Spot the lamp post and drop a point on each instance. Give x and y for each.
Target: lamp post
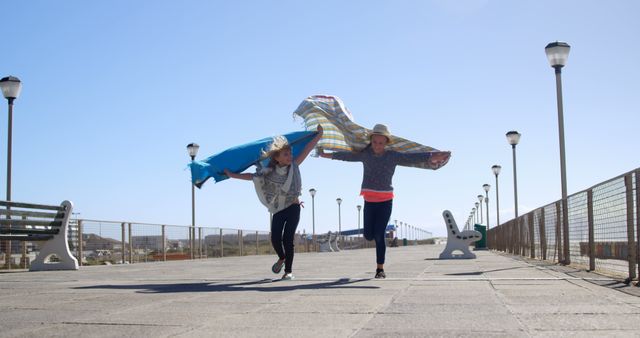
(192, 148)
(557, 54)
(496, 171)
(514, 137)
(339, 200)
(11, 87)
(486, 188)
(480, 198)
(477, 204)
(395, 224)
(312, 192)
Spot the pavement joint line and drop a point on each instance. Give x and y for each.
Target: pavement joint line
(118, 324)
(347, 279)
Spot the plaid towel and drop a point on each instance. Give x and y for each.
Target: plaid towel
(342, 134)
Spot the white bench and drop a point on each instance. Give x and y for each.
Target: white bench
(333, 239)
(325, 242)
(458, 240)
(36, 222)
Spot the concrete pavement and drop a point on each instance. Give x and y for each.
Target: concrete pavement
(333, 295)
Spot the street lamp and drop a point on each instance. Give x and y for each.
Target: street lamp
(11, 87)
(475, 213)
(557, 53)
(486, 188)
(312, 191)
(496, 171)
(514, 137)
(339, 200)
(480, 198)
(192, 148)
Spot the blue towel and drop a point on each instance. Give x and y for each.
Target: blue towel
(239, 158)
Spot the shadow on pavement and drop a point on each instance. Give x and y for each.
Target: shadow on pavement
(264, 285)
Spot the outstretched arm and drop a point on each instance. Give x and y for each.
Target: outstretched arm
(307, 149)
(432, 157)
(349, 156)
(246, 177)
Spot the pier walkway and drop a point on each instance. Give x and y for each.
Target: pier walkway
(333, 295)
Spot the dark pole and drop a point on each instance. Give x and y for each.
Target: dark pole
(9, 137)
(515, 180)
(193, 213)
(563, 167)
(497, 203)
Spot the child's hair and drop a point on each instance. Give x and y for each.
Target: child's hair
(279, 144)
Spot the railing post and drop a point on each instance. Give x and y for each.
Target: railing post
(200, 242)
(221, 244)
(80, 244)
(130, 246)
(631, 236)
(638, 222)
(518, 242)
(257, 242)
(122, 243)
(592, 243)
(240, 241)
(23, 248)
(532, 235)
(543, 236)
(519, 229)
(558, 233)
(524, 236)
(164, 244)
(270, 246)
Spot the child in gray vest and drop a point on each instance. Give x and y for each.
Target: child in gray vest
(278, 186)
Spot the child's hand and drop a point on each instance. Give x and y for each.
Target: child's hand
(439, 157)
(227, 172)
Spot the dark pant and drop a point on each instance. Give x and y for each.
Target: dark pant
(376, 217)
(283, 230)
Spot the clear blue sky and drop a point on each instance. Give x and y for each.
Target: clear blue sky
(113, 91)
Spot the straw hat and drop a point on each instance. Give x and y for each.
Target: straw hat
(381, 129)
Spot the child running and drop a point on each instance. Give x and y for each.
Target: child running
(278, 187)
(379, 166)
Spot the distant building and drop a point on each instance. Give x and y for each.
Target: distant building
(93, 242)
(148, 242)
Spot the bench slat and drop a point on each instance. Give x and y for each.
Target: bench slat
(26, 237)
(13, 212)
(29, 231)
(30, 205)
(23, 222)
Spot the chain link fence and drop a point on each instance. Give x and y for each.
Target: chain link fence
(601, 234)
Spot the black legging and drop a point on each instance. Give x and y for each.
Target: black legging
(376, 217)
(283, 230)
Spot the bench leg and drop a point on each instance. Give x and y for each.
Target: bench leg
(447, 253)
(58, 246)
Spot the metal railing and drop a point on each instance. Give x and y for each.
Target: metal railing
(603, 231)
(99, 242)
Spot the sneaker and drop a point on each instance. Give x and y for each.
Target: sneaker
(380, 274)
(277, 266)
(288, 276)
